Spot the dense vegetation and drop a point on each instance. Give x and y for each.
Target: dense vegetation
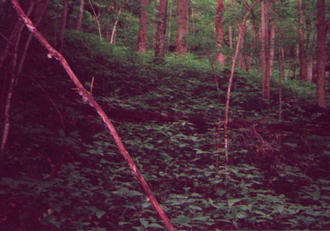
(62, 170)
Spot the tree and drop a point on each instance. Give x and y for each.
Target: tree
(321, 53)
(183, 26)
(302, 56)
(63, 23)
(154, 25)
(12, 49)
(39, 12)
(80, 14)
(265, 49)
(142, 41)
(169, 25)
(272, 31)
(115, 24)
(241, 31)
(220, 57)
(230, 29)
(161, 29)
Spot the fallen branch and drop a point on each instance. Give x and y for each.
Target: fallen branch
(87, 97)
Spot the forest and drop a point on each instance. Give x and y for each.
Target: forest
(164, 115)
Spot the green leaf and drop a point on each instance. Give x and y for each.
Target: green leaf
(99, 213)
(231, 202)
(144, 222)
(182, 220)
(202, 218)
(155, 225)
(195, 207)
(217, 206)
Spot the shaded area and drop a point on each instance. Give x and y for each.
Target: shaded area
(57, 177)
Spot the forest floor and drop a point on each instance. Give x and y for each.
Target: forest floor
(62, 170)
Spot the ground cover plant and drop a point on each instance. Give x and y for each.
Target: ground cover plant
(63, 172)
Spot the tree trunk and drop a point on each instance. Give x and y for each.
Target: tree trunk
(12, 48)
(154, 25)
(265, 50)
(192, 21)
(97, 19)
(296, 64)
(142, 41)
(39, 13)
(14, 35)
(241, 31)
(80, 15)
(114, 28)
(89, 98)
(183, 26)
(256, 37)
(271, 48)
(241, 57)
(169, 30)
(282, 56)
(220, 57)
(13, 78)
(64, 22)
(309, 68)
(321, 54)
(302, 57)
(230, 30)
(161, 29)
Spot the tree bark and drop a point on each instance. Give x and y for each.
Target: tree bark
(183, 26)
(241, 31)
(154, 25)
(302, 57)
(321, 54)
(80, 15)
(41, 9)
(296, 63)
(114, 28)
(6, 126)
(12, 47)
(142, 40)
(161, 29)
(169, 25)
(220, 57)
(63, 23)
(272, 33)
(280, 77)
(230, 30)
(241, 57)
(89, 98)
(265, 50)
(282, 56)
(256, 39)
(97, 19)
(309, 67)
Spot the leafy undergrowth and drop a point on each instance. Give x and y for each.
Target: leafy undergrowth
(62, 170)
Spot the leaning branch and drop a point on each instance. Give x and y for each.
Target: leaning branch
(87, 97)
(242, 29)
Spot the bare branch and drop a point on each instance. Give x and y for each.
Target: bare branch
(242, 29)
(87, 97)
